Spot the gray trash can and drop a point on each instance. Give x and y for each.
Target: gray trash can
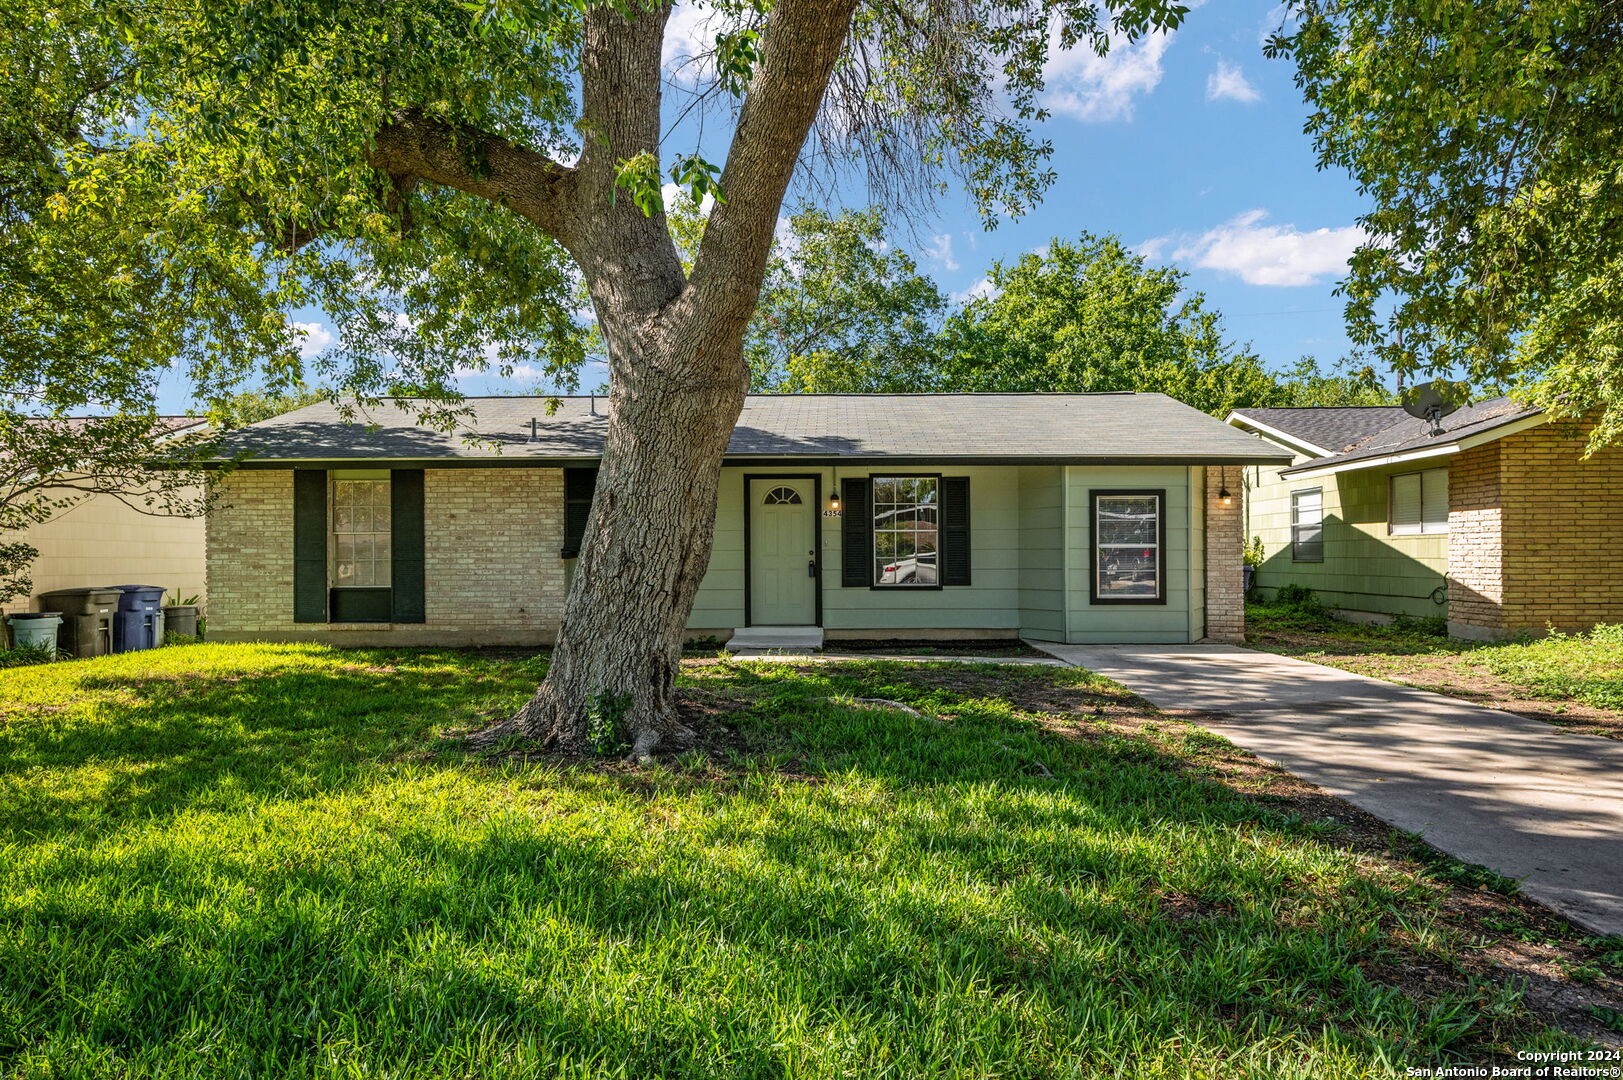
(180, 619)
(34, 630)
(87, 618)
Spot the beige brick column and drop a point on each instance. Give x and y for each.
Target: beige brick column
(1225, 546)
(1476, 581)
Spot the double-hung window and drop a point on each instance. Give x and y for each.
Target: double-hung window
(1307, 525)
(361, 532)
(1129, 547)
(1418, 503)
(906, 523)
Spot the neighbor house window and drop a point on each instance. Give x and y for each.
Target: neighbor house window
(361, 532)
(1307, 525)
(1418, 503)
(906, 519)
(1128, 547)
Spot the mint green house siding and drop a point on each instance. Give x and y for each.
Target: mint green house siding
(1365, 568)
(1031, 559)
(1041, 579)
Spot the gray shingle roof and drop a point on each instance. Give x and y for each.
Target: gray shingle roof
(1332, 428)
(944, 427)
(1410, 433)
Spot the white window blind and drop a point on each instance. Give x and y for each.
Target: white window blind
(1419, 503)
(1307, 525)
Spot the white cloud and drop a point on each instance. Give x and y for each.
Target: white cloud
(981, 288)
(1264, 254)
(939, 250)
(1152, 248)
(312, 338)
(1085, 86)
(1229, 83)
(689, 35)
(1281, 19)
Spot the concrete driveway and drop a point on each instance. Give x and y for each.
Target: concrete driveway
(1516, 795)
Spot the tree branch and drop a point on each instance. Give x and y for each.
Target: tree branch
(414, 147)
(802, 42)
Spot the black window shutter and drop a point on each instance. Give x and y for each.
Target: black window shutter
(407, 604)
(955, 530)
(309, 545)
(856, 535)
(579, 484)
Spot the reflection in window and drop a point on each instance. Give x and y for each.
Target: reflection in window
(1127, 547)
(360, 533)
(782, 496)
(905, 516)
(1307, 525)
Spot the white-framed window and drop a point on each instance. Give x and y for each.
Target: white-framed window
(1128, 543)
(1417, 503)
(1307, 525)
(361, 530)
(906, 521)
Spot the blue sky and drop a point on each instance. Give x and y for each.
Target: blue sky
(1189, 146)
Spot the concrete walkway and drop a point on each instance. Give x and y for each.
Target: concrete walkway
(1524, 798)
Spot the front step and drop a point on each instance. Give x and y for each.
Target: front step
(758, 639)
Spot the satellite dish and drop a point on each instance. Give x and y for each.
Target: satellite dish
(1429, 401)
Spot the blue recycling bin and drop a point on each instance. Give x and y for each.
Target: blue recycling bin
(138, 622)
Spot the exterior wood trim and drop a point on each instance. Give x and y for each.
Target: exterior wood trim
(1160, 600)
(817, 538)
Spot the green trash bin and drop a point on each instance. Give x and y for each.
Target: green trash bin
(35, 629)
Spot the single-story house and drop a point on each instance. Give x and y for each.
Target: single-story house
(101, 539)
(1065, 517)
(1494, 519)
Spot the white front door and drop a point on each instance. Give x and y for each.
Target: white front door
(782, 552)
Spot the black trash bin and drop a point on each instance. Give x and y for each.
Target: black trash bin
(87, 618)
(138, 623)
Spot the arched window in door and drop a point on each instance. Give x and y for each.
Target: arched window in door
(782, 496)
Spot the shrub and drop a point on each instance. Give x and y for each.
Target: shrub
(1299, 597)
(1420, 625)
(23, 655)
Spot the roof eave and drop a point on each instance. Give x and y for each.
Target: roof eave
(1312, 470)
(1239, 419)
(757, 460)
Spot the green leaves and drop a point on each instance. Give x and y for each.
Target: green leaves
(1485, 134)
(698, 177)
(1087, 316)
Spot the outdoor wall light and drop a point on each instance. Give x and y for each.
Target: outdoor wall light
(1228, 499)
(833, 502)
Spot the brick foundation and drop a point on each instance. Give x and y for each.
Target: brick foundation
(492, 571)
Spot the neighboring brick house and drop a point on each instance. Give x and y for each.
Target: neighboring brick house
(1498, 522)
(1064, 517)
(104, 540)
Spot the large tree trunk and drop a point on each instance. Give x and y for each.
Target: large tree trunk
(675, 351)
(611, 686)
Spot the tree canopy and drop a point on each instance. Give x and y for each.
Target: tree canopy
(1089, 315)
(1486, 134)
(843, 310)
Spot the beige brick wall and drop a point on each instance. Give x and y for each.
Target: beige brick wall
(103, 541)
(1563, 523)
(1535, 535)
(1225, 544)
(1476, 588)
(492, 574)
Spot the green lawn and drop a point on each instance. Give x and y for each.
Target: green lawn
(1575, 680)
(267, 861)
